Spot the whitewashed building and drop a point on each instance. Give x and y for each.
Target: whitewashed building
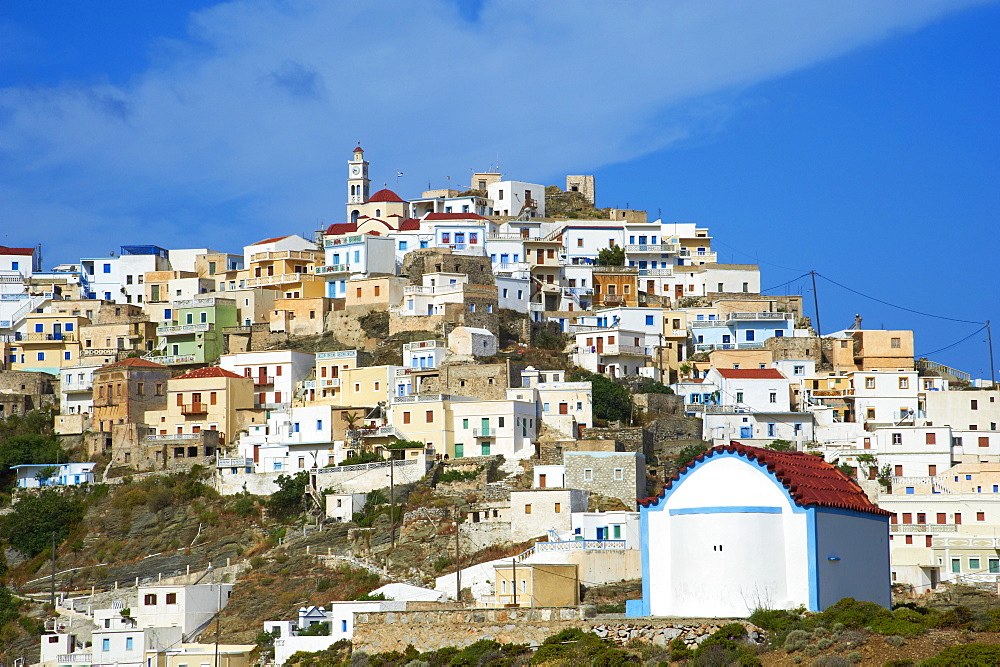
(764, 529)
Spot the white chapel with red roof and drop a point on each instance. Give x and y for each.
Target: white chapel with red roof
(743, 527)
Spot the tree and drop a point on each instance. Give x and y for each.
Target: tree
(651, 386)
(688, 454)
(30, 448)
(287, 500)
(613, 256)
(781, 446)
(611, 401)
(29, 527)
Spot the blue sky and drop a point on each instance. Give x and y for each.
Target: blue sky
(855, 139)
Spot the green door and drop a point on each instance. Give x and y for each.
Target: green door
(486, 449)
(459, 450)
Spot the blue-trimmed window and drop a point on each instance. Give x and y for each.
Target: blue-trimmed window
(39, 328)
(41, 356)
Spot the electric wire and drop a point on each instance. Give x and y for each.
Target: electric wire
(893, 305)
(948, 347)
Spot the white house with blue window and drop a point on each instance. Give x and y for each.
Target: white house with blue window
(36, 475)
(738, 331)
(742, 527)
(350, 256)
(753, 405)
(424, 354)
(120, 279)
(293, 439)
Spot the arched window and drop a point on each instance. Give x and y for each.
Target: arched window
(378, 213)
(354, 216)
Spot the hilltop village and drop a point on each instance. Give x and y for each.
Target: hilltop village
(497, 413)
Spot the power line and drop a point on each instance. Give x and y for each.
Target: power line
(768, 289)
(909, 310)
(948, 347)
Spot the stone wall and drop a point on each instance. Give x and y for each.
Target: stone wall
(377, 632)
(476, 536)
(345, 479)
(602, 480)
(488, 382)
(631, 439)
(801, 348)
(660, 405)
(435, 260)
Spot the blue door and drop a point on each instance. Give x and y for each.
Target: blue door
(746, 432)
(602, 533)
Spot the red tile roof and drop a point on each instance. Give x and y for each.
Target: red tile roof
(454, 216)
(359, 150)
(341, 228)
(811, 481)
(132, 362)
(4, 250)
(276, 238)
(386, 195)
(208, 372)
(751, 373)
(411, 223)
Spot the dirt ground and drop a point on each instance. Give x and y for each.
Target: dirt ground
(877, 652)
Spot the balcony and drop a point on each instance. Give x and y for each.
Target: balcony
(923, 528)
(246, 328)
(382, 432)
(262, 380)
(283, 279)
(327, 383)
(75, 659)
(662, 272)
(332, 268)
(484, 432)
(704, 255)
(71, 386)
(699, 324)
(233, 462)
(309, 384)
(176, 359)
(308, 255)
(354, 238)
(578, 291)
(508, 237)
(536, 307)
(179, 329)
(45, 337)
(616, 269)
(194, 409)
(422, 344)
(652, 247)
(626, 350)
(510, 267)
(336, 354)
(821, 393)
(760, 316)
(613, 299)
(708, 347)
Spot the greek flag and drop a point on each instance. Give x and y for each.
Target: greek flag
(399, 174)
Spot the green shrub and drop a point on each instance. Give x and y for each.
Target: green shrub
(728, 644)
(796, 640)
(458, 475)
(854, 657)
(960, 618)
(679, 650)
(323, 584)
(830, 661)
(778, 623)
(966, 654)
(852, 613)
(257, 562)
(893, 626)
(895, 640)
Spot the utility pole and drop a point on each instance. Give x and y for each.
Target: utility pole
(392, 501)
(52, 581)
(816, 304)
(218, 616)
(513, 563)
(993, 371)
(458, 564)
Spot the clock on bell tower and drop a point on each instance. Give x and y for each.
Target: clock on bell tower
(358, 185)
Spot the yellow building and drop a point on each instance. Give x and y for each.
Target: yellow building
(50, 342)
(616, 286)
(229, 655)
(205, 399)
(873, 350)
(288, 271)
(324, 388)
(537, 585)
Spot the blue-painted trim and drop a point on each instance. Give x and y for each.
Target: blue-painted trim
(812, 559)
(854, 514)
(658, 504)
(644, 542)
(727, 509)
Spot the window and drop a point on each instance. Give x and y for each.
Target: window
(994, 564)
(897, 438)
(907, 518)
(930, 438)
(772, 430)
(798, 370)
(898, 471)
(429, 417)
(106, 644)
(527, 509)
(984, 441)
(588, 474)
(619, 474)
(958, 518)
(980, 516)
(773, 397)
(894, 343)
(649, 320)
(974, 563)
(942, 518)
(921, 518)
(956, 564)
(107, 268)
(558, 508)
(869, 383)
(149, 599)
(128, 643)
(739, 397)
(41, 356)
(406, 417)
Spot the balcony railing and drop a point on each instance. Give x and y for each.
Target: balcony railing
(663, 272)
(194, 409)
(705, 255)
(328, 382)
(536, 307)
(176, 359)
(262, 380)
(44, 337)
(613, 299)
(161, 437)
(509, 267)
(923, 528)
(507, 236)
(74, 658)
(233, 462)
(484, 432)
(422, 344)
(708, 347)
(77, 385)
(760, 316)
(354, 238)
(283, 279)
(615, 269)
(700, 324)
(420, 398)
(175, 329)
(308, 255)
(336, 354)
(652, 247)
(332, 268)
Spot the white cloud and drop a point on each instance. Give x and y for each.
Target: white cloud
(246, 125)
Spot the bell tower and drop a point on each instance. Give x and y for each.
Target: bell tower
(358, 185)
